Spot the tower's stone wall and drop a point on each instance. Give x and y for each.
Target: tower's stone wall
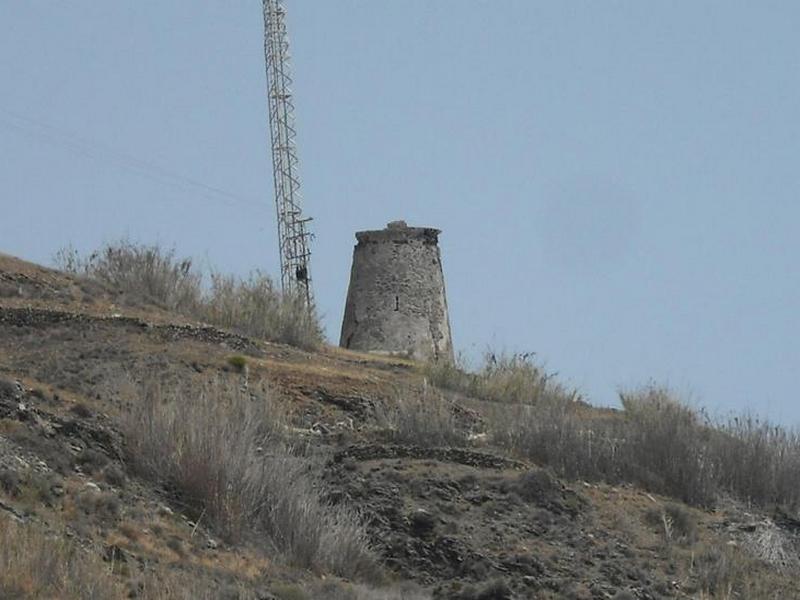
(396, 301)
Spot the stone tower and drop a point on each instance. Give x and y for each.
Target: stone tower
(396, 302)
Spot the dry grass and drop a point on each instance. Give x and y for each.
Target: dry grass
(36, 565)
(421, 418)
(501, 377)
(163, 584)
(727, 572)
(251, 306)
(560, 435)
(222, 451)
(347, 591)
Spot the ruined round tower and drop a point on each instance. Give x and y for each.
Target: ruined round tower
(396, 302)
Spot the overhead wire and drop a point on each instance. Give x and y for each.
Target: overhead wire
(101, 152)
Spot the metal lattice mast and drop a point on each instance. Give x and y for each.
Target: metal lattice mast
(293, 234)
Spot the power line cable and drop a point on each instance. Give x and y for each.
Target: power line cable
(55, 136)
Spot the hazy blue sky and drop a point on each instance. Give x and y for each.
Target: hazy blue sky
(617, 181)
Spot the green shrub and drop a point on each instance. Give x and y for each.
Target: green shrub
(238, 362)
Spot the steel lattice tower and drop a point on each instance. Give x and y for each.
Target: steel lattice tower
(293, 234)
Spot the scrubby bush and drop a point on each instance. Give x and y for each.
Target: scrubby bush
(222, 451)
(251, 306)
(105, 506)
(656, 441)
(9, 481)
(674, 521)
(238, 362)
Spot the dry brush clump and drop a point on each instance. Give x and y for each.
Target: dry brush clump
(223, 452)
(251, 306)
(697, 458)
(675, 522)
(148, 271)
(422, 418)
(501, 377)
(665, 447)
(759, 461)
(254, 307)
(559, 434)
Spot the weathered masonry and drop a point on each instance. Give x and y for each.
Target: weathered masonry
(396, 301)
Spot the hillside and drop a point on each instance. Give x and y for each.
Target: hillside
(447, 511)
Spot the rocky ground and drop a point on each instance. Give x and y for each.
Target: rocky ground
(464, 523)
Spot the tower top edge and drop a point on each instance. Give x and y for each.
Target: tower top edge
(399, 231)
